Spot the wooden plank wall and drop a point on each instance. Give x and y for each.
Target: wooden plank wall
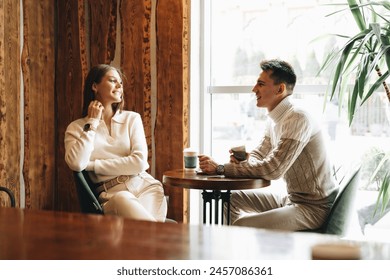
(38, 57)
(61, 40)
(102, 31)
(171, 132)
(71, 69)
(9, 98)
(135, 22)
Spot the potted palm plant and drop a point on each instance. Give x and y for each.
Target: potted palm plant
(365, 60)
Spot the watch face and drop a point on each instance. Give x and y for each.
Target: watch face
(220, 169)
(87, 127)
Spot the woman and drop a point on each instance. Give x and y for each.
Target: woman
(110, 144)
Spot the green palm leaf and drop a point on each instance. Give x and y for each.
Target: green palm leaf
(361, 59)
(377, 57)
(375, 86)
(352, 103)
(357, 14)
(362, 77)
(384, 194)
(385, 39)
(344, 57)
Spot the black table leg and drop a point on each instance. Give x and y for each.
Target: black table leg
(206, 199)
(226, 199)
(216, 195)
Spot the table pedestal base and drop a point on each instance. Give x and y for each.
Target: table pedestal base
(217, 196)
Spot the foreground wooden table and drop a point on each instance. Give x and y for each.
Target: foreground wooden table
(214, 187)
(47, 235)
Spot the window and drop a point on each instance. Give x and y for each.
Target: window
(236, 35)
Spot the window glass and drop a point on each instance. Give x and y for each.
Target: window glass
(245, 32)
(241, 34)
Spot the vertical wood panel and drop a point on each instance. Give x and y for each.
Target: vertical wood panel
(186, 93)
(39, 122)
(135, 17)
(172, 96)
(10, 98)
(53, 82)
(71, 69)
(103, 16)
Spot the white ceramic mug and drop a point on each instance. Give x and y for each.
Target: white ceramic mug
(190, 158)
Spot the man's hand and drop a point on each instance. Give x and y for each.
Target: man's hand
(233, 159)
(207, 164)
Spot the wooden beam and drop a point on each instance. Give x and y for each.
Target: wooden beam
(10, 134)
(135, 18)
(38, 64)
(171, 130)
(102, 28)
(71, 70)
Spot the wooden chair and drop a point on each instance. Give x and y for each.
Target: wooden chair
(10, 195)
(87, 198)
(339, 217)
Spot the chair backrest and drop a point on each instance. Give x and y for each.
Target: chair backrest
(340, 215)
(87, 199)
(10, 195)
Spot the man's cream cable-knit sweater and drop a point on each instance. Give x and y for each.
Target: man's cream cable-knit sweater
(293, 148)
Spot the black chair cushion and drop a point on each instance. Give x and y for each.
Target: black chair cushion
(87, 199)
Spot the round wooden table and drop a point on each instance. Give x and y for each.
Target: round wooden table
(214, 187)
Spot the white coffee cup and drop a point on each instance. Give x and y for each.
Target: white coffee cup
(190, 156)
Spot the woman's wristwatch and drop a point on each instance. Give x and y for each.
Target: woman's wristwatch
(88, 127)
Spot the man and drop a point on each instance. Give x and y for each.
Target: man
(292, 148)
